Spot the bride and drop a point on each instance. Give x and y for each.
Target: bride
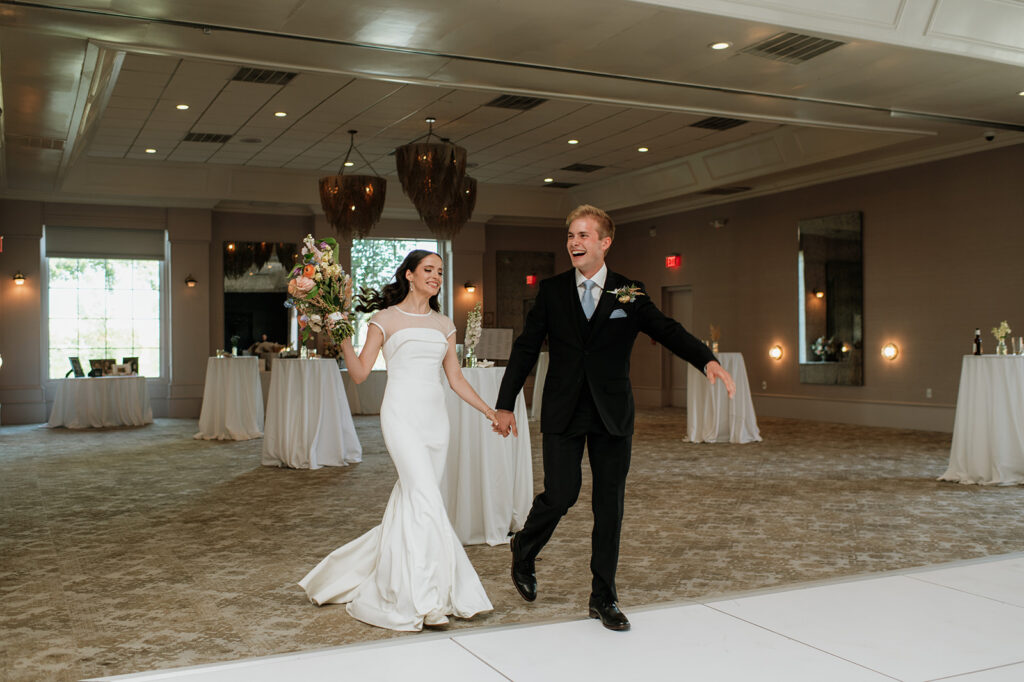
(411, 570)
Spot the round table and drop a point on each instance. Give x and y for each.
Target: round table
(232, 400)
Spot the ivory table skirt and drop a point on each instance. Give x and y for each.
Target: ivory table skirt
(711, 417)
(308, 424)
(232, 400)
(988, 430)
(487, 484)
(97, 402)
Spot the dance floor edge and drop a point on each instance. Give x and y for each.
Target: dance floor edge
(954, 621)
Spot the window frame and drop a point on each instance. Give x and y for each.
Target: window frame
(44, 308)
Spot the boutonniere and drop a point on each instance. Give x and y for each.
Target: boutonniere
(627, 294)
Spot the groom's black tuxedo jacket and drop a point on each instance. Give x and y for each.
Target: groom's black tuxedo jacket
(594, 351)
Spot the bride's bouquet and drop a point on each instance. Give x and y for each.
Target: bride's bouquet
(321, 292)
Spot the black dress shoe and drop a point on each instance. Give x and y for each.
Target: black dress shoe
(523, 575)
(609, 613)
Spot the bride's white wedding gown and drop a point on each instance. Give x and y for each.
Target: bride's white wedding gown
(410, 570)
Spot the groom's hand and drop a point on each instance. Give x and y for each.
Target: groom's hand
(716, 371)
(506, 423)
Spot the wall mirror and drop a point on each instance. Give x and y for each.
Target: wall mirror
(831, 300)
(255, 289)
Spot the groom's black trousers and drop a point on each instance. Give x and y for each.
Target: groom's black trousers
(609, 464)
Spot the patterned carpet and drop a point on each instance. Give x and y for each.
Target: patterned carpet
(134, 549)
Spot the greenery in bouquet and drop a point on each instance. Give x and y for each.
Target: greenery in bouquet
(473, 327)
(321, 292)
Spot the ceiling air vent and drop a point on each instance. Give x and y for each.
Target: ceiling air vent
(37, 142)
(563, 185)
(718, 123)
(792, 48)
(265, 76)
(515, 102)
(213, 138)
(583, 167)
(725, 191)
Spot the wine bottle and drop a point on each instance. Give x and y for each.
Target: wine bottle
(977, 341)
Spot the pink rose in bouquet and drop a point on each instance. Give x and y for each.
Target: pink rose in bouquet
(300, 286)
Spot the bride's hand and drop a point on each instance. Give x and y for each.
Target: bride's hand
(492, 417)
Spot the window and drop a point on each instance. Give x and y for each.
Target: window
(104, 308)
(374, 262)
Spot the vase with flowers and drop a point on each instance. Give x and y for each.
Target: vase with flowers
(1001, 332)
(473, 324)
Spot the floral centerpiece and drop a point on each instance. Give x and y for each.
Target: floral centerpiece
(1001, 332)
(826, 349)
(321, 292)
(472, 333)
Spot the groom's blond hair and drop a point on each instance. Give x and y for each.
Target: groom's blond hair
(605, 225)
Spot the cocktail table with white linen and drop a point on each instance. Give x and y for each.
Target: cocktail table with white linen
(98, 402)
(232, 400)
(487, 483)
(711, 417)
(988, 429)
(309, 424)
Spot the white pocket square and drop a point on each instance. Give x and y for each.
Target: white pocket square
(617, 313)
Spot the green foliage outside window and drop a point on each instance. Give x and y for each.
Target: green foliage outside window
(374, 262)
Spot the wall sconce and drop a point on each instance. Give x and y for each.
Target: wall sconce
(531, 280)
(190, 282)
(890, 351)
(673, 260)
(19, 278)
(231, 246)
(775, 352)
(818, 293)
(470, 287)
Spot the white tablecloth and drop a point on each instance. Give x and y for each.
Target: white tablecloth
(96, 402)
(488, 480)
(308, 423)
(365, 398)
(988, 430)
(710, 416)
(232, 400)
(538, 384)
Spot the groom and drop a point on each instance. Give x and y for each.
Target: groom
(590, 317)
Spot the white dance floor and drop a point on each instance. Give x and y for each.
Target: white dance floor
(962, 622)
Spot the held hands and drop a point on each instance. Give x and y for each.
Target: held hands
(714, 371)
(504, 423)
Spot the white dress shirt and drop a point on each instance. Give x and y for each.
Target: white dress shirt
(598, 279)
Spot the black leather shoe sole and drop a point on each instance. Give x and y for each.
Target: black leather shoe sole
(617, 626)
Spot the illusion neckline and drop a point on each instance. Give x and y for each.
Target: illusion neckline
(413, 314)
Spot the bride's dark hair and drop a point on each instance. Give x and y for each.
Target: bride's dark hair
(395, 292)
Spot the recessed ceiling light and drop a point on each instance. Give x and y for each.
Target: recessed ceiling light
(280, 114)
(150, 150)
(574, 141)
(720, 45)
(181, 107)
(549, 179)
(349, 164)
(642, 149)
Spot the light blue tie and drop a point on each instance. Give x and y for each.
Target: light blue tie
(588, 297)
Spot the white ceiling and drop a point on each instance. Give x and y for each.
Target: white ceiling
(88, 87)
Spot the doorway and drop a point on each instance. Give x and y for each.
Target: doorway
(677, 303)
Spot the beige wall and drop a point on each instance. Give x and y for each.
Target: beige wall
(943, 246)
(195, 317)
(943, 243)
